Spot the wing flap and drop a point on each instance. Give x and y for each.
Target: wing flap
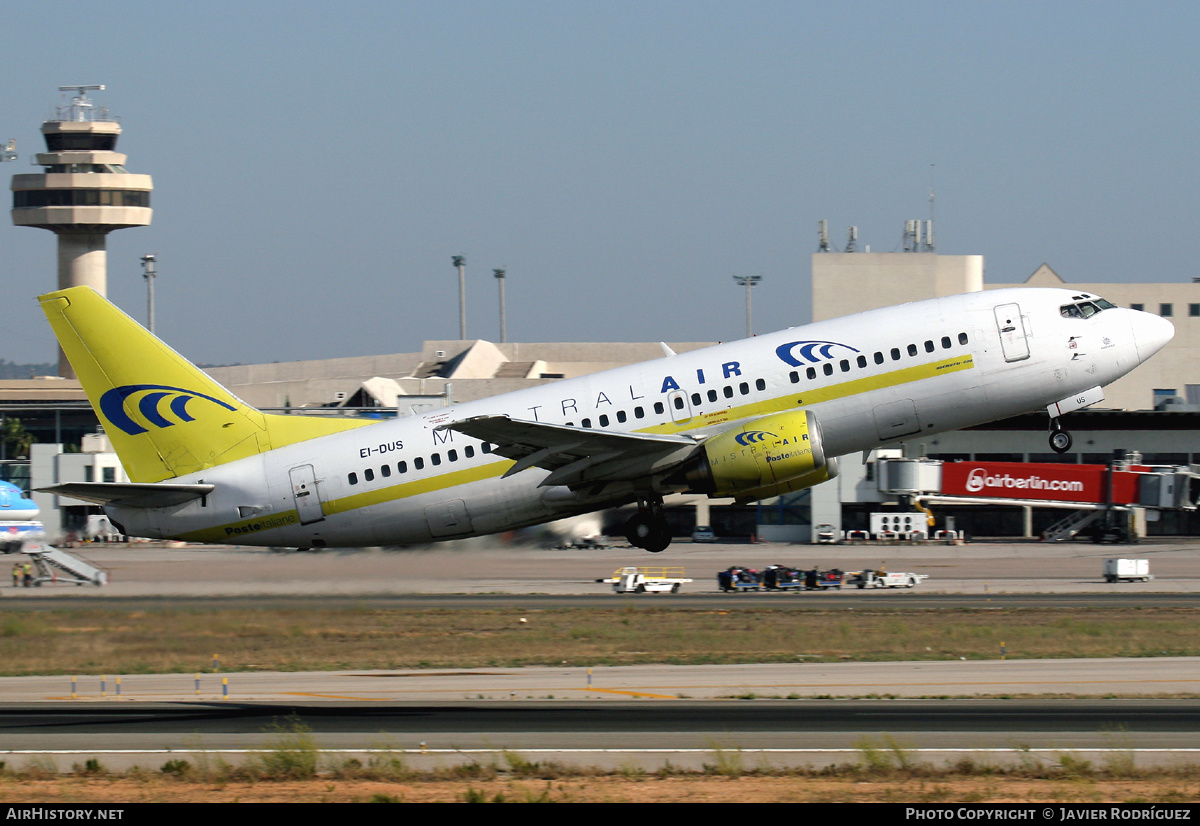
(576, 455)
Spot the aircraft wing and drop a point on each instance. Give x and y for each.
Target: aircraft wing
(577, 455)
(130, 494)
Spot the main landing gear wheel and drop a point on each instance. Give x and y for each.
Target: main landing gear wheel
(647, 531)
(1060, 440)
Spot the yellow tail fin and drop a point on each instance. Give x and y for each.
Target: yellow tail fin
(163, 415)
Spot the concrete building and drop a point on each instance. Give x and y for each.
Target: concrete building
(844, 283)
(84, 193)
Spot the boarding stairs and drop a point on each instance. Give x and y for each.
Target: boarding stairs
(49, 560)
(1071, 524)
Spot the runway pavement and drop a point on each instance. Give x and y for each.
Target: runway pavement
(490, 566)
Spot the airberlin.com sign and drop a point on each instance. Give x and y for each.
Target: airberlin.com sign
(1012, 480)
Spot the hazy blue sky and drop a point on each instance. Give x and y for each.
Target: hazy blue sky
(316, 164)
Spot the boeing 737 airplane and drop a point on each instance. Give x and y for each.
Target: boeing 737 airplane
(748, 419)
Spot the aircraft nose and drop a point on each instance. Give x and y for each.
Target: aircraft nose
(1150, 333)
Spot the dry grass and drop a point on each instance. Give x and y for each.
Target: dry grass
(166, 640)
(517, 781)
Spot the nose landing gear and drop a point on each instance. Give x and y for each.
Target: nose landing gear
(1060, 440)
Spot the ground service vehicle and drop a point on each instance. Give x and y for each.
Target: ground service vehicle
(877, 579)
(1127, 570)
(633, 580)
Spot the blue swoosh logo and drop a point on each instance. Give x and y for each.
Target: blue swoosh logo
(809, 351)
(112, 406)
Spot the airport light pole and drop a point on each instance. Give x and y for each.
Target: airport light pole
(748, 281)
(149, 273)
(460, 263)
(499, 276)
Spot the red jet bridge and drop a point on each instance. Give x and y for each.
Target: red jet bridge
(1088, 491)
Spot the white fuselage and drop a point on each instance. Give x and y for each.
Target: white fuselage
(871, 379)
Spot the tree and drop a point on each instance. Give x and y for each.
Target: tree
(16, 439)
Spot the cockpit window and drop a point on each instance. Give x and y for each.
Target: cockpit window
(1085, 309)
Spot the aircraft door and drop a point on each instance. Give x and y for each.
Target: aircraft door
(305, 495)
(447, 519)
(681, 409)
(896, 419)
(1011, 326)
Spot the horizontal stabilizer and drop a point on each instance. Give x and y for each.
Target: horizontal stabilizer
(131, 494)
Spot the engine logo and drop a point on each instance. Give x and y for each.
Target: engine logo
(112, 405)
(752, 437)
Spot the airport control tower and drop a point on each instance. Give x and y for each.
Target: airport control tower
(83, 194)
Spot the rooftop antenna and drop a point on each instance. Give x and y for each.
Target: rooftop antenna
(8, 152)
(82, 109)
(822, 236)
(852, 240)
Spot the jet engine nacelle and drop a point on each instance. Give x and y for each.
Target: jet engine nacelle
(765, 457)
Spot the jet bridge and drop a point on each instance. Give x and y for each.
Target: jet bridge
(1089, 492)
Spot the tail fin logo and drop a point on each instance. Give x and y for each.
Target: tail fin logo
(753, 437)
(112, 405)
